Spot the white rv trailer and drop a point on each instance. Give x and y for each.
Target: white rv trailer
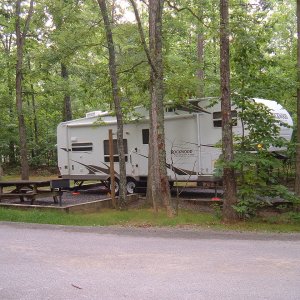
(191, 138)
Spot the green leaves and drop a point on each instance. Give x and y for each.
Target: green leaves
(258, 171)
(261, 130)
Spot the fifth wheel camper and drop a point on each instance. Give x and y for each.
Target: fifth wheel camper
(191, 133)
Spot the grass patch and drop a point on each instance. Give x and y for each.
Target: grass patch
(134, 217)
(289, 222)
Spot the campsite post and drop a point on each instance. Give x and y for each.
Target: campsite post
(111, 167)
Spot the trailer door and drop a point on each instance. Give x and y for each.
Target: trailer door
(139, 153)
(208, 137)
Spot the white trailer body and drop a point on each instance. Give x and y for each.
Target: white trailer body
(191, 140)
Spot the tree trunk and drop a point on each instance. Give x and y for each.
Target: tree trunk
(297, 180)
(200, 52)
(67, 112)
(158, 185)
(229, 180)
(200, 71)
(10, 87)
(12, 151)
(117, 102)
(59, 20)
(20, 37)
(35, 120)
(35, 136)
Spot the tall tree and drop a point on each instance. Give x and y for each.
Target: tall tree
(117, 101)
(200, 50)
(67, 112)
(158, 189)
(21, 36)
(297, 181)
(59, 18)
(229, 180)
(7, 42)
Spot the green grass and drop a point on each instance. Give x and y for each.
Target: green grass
(135, 217)
(289, 222)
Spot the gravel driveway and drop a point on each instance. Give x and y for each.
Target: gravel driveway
(74, 263)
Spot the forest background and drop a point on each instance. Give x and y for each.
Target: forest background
(65, 62)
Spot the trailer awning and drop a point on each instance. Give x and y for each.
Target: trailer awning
(192, 107)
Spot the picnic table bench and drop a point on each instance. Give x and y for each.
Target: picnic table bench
(32, 189)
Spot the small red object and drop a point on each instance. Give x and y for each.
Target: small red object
(75, 193)
(215, 199)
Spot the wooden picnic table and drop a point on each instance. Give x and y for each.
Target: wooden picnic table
(32, 189)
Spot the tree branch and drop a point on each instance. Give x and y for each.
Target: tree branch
(132, 68)
(184, 8)
(2, 41)
(142, 35)
(27, 22)
(145, 2)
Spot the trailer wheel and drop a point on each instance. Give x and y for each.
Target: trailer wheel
(130, 185)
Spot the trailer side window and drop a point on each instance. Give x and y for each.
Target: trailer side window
(169, 109)
(145, 134)
(217, 118)
(82, 147)
(115, 149)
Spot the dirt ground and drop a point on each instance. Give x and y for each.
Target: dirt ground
(68, 198)
(187, 198)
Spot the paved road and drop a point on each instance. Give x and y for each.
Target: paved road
(57, 262)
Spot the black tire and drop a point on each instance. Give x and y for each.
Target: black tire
(130, 186)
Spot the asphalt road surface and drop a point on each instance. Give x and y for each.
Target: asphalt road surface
(58, 262)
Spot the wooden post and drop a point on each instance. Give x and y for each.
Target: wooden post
(112, 169)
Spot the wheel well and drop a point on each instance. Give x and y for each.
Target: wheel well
(130, 179)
